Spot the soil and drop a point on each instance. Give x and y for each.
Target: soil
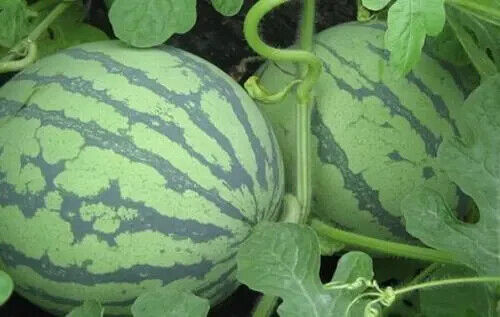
(220, 40)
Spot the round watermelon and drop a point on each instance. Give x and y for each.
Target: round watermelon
(125, 170)
(375, 135)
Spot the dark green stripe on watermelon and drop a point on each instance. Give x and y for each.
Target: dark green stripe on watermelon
(330, 152)
(136, 273)
(437, 100)
(382, 92)
(94, 135)
(190, 103)
(236, 178)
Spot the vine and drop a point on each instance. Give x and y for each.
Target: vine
(27, 48)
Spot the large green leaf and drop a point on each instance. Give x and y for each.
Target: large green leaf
(147, 23)
(13, 21)
(485, 10)
(447, 47)
(480, 39)
(472, 162)
(409, 22)
(169, 302)
(283, 260)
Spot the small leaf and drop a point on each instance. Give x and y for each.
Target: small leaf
(457, 300)
(409, 21)
(446, 47)
(375, 5)
(485, 10)
(147, 23)
(353, 265)
(13, 21)
(6, 287)
(480, 40)
(282, 259)
(168, 302)
(227, 7)
(472, 163)
(89, 308)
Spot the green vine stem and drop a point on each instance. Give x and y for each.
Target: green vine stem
(386, 297)
(438, 283)
(417, 279)
(30, 57)
(28, 45)
(311, 68)
(303, 118)
(387, 247)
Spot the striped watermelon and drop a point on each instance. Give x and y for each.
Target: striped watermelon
(375, 136)
(124, 170)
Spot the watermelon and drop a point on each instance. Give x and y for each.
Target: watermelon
(375, 135)
(125, 170)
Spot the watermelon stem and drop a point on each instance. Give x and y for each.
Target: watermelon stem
(251, 31)
(310, 68)
(303, 118)
(387, 247)
(27, 47)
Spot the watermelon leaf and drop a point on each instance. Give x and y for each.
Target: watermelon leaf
(485, 10)
(147, 23)
(227, 7)
(89, 308)
(375, 5)
(472, 163)
(13, 13)
(409, 22)
(457, 300)
(6, 287)
(447, 47)
(283, 259)
(480, 40)
(168, 302)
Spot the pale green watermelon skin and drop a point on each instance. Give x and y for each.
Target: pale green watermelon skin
(124, 170)
(374, 136)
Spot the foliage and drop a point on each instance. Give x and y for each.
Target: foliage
(15, 14)
(409, 22)
(146, 23)
(169, 302)
(472, 162)
(474, 24)
(284, 259)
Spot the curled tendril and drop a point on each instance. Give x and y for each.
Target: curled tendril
(384, 297)
(260, 93)
(251, 31)
(29, 50)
